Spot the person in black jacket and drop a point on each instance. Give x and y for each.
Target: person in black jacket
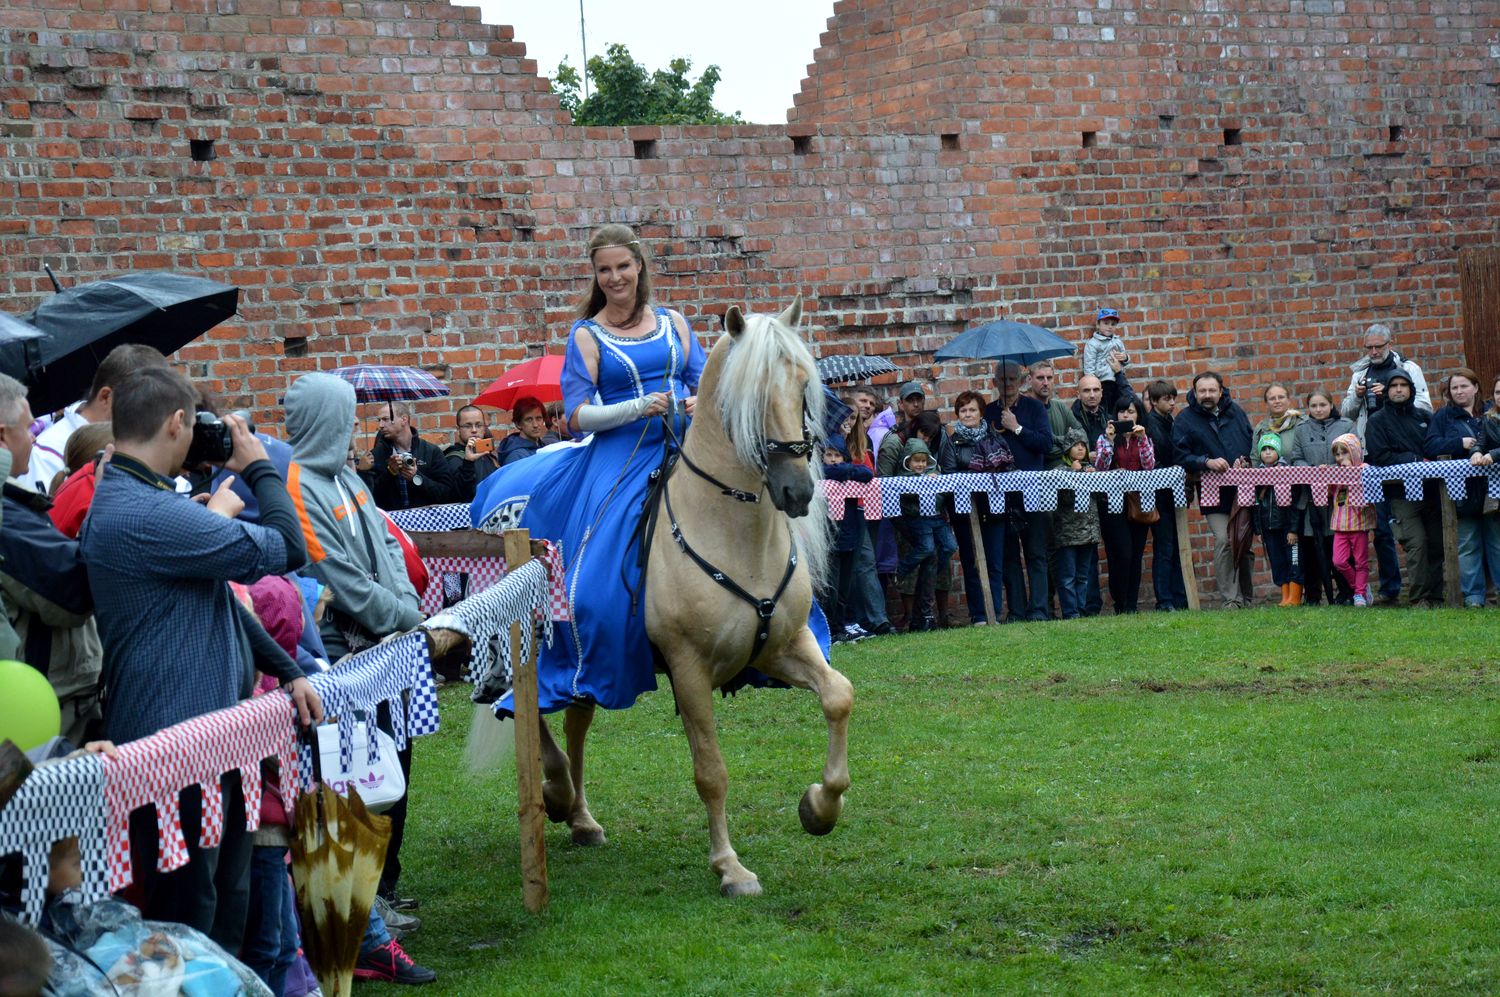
(1213, 434)
(1166, 568)
(408, 472)
(1396, 433)
(466, 462)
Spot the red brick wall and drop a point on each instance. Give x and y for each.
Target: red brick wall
(393, 182)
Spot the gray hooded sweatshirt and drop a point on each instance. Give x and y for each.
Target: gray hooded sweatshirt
(349, 548)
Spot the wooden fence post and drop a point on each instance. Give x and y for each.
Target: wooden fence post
(1452, 588)
(1185, 559)
(982, 563)
(528, 746)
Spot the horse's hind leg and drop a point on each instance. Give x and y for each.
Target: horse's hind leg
(576, 721)
(557, 784)
(695, 702)
(803, 666)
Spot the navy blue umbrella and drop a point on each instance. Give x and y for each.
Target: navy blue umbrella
(1006, 340)
(13, 330)
(83, 323)
(844, 368)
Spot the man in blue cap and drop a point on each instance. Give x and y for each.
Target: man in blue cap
(1104, 343)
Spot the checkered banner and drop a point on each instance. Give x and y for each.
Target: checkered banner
(1453, 473)
(1038, 490)
(458, 578)
(433, 518)
(196, 752)
(1281, 480)
(61, 799)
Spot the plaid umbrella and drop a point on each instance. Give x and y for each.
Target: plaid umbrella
(846, 368)
(539, 378)
(374, 383)
(1005, 340)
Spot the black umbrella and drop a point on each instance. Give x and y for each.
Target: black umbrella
(81, 324)
(1005, 340)
(846, 368)
(13, 330)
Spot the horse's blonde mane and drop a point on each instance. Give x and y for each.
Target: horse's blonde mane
(755, 372)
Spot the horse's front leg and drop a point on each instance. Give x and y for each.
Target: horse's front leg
(694, 692)
(576, 721)
(803, 666)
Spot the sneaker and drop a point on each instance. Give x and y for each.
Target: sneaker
(398, 923)
(391, 964)
(883, 630)
(401, 903)
(1360, 600)
(857, 632)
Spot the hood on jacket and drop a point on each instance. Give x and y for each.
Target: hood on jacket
(915, 446)
(320, 422)
(1351, 443)
(1072, 438)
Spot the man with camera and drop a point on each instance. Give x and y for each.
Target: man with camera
(408, 472)
(176, 643)
(471, 457)
(1369, 380)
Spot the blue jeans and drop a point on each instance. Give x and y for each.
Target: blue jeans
(271, 921)
(867, 596)
(375, 934)
(930, 536)
(1279, 553)
(1073, 567)
(1385, 552)
(1478, 556)
(1028, 533)
(1166, 569)
(992, 535)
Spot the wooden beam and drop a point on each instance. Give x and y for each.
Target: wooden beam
(458, 543)
(533, 817)
(1185, 559)
(1453, 592)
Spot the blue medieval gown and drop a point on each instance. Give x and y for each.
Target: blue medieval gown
(588, 498)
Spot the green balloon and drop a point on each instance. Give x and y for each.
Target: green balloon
(29, 714)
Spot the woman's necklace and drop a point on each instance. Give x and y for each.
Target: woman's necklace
(628, 329)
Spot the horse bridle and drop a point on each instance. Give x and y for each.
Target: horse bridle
(764, 609)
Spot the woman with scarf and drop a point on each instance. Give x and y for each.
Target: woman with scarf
(977, 448)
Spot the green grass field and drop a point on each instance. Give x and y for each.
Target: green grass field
(1271, 801)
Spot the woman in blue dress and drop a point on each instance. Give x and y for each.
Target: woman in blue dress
(627, 364)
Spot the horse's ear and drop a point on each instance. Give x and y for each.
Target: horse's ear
(792, 317)
(734, 321)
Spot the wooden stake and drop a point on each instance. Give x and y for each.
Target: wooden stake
(982, 563)
(533, 817)
(1185, 559)
(1452, 582)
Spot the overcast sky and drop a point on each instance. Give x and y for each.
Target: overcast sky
(762, 48)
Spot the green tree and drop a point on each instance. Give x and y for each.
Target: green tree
(626, 93)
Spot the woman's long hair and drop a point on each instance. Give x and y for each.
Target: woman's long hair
(624, 237)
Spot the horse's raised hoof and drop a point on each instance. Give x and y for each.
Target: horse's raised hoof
(744, 888)
(811, 822)
(588, 837)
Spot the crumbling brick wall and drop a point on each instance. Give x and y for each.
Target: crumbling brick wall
(392, 182)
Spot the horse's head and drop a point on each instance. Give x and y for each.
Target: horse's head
(771, 403)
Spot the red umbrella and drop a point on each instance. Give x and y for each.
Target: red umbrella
(540, 379)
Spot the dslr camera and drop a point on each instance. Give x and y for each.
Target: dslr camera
(212, 442)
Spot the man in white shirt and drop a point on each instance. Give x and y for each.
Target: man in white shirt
(47, 456)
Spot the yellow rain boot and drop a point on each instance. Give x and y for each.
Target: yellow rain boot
(1286, 596)
(1294, 594)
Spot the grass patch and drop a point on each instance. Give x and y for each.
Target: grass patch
(1266, 801)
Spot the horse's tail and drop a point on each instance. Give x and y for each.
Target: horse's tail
(491, 743)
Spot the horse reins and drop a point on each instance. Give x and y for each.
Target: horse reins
(764, 609)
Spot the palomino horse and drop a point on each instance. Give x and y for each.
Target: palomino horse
(729, 582)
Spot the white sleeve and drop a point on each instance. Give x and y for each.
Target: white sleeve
(596, 418)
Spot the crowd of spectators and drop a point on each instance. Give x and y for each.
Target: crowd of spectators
(1048, 565)
(145, 607)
